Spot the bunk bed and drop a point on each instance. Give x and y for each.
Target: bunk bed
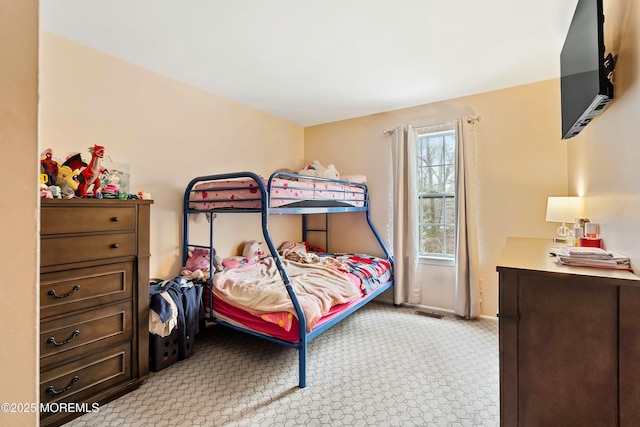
(285, 194)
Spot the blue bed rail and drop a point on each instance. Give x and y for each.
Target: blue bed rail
(261, 204)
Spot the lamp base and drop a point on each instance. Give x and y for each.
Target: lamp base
(564, 234)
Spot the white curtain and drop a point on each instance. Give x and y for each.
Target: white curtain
(467, 286)
(405, 216)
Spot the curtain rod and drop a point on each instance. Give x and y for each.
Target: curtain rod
(471, 120)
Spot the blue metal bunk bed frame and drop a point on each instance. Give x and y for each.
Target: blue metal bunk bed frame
(265, 210)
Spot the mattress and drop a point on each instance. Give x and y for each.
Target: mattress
(245, 193)
(365, 274)
(236, 316)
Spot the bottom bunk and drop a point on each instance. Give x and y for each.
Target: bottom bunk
(328, 287)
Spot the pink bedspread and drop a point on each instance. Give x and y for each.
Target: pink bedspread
(259, 290)
(244, 193)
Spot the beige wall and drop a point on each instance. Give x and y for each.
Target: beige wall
(520, 160)
(19, 206)
(167, 131)
(604, 159)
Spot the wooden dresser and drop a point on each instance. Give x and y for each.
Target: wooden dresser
(569, 341)
(94, 301)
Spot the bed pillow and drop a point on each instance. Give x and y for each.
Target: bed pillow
(360, 179)
(235, 262)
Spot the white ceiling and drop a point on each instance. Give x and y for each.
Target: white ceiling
(313, 62)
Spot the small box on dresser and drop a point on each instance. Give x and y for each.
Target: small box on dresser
(94, 302)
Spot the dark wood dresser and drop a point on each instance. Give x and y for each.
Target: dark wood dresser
(94, 302)
(569, 341)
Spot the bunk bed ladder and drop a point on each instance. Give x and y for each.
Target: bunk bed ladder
(306, 230)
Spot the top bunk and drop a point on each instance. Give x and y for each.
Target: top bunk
(281, 194)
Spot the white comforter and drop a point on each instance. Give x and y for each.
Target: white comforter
(259, 289)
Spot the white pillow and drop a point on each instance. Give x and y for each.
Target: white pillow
(361, 179)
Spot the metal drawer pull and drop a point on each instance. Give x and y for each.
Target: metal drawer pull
(52, 390)
(75, 289)
(73, 336)
(115, 219)
(114, 246)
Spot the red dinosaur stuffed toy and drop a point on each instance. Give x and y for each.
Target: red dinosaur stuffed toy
(91, 174)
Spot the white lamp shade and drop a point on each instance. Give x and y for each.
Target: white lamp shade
(564, 209)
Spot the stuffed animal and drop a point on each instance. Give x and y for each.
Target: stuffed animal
(67, 180)
(316, 169)
(42, 186)
(234, 262)
(55, 191)
(90, 176)
(197, 265)
(253, 251)
(217, 262)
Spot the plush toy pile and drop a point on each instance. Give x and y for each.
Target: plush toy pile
(252, 252)
(75, 178)
(198, 263)
(317, 169)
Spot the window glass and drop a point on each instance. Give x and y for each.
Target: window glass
(436, 193)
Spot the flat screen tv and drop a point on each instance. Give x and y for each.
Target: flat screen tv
(585, 88)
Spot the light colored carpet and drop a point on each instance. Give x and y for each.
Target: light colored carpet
(383, 366)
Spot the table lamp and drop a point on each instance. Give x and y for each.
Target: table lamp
(564, 210)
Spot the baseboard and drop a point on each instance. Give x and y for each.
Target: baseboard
(442, 310)
(428, 308)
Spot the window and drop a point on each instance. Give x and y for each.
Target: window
(436, 172)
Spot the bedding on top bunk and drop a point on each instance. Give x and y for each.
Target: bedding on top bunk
(243, 193)
(255, 297)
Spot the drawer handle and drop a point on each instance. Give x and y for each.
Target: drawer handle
(115, 219)
(75, 289)
(73, 336)
(52, 390)
(114, 246)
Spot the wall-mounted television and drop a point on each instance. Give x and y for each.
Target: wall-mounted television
(585, 86)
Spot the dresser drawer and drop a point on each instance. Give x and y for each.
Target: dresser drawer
(82, 378)
(70, 290)
(63, 220)
(66, 250)
(85, 332)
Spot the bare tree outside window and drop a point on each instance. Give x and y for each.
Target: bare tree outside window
(436, 193)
